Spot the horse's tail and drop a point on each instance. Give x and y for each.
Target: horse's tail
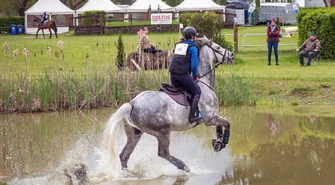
(110, 134)
(55, 27)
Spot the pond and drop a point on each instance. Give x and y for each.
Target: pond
(265, 148)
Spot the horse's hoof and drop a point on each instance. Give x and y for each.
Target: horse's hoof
(218, 145)
(186, 169)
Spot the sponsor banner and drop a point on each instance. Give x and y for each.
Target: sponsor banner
(161, 18)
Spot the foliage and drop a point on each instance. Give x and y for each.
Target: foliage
(258, 3)
(255, 16)
(15, 7)
(7, 21)
(321, 22)
(234, 90)
(205, 23)
(220, 39)
(120, 58)
(91, 17)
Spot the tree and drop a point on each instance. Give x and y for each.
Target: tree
(20, 6)
(120, 58)
(258, 3)
(173, 2)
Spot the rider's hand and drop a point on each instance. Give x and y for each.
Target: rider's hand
(297, 50)
(196, 78)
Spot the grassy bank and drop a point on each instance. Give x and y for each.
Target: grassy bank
(84, 74)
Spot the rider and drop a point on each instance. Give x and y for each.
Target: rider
(44, 17)
(185, 61)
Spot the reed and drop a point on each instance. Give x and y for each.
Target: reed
(233, 89)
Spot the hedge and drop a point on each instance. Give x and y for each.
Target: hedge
(7, 21)
(89, 19)
(321, 22)
(205, 23)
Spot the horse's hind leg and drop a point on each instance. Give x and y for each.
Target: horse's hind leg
(163, 151)
(50, 33)
(133, 137)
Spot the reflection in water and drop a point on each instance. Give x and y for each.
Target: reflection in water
(264, 149)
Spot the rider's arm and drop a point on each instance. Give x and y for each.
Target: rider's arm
(194, 60)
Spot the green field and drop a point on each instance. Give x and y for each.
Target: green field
(287, 83)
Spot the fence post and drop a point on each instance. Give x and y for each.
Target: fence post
(235, 35)
(101, 25)
(131, 22)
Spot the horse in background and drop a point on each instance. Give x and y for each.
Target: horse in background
(157, 114)
(47, 25)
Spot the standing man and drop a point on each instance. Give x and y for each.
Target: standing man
(310, 46)
(273, 39)
(185, 61)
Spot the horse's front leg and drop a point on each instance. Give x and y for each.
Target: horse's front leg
(222, 136)
(43, 33)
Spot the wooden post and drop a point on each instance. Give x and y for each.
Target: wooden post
(131, 22)
(101, 25)
(235, 35)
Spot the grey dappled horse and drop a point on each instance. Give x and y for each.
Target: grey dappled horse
(157, 114)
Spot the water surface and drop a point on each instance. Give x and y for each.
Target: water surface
(265, 148)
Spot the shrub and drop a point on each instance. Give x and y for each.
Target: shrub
(120, 58)
(90, 18)
(321, 22)
(205, 23)
(7, 21)
(220, 39)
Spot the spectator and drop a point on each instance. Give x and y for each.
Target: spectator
(310, 47)
(145, 43)
(273, 39)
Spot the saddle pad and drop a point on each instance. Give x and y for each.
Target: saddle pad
(178, 97)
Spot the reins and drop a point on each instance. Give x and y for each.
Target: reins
(216, 65)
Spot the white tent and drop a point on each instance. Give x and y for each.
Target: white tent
(198, 5)
(143, 5)
(105, 5)
(56, 11)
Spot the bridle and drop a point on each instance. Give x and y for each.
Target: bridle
(219, 63)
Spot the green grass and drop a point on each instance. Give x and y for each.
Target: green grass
(92, 58)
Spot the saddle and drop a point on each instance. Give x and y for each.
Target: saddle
(178, 94)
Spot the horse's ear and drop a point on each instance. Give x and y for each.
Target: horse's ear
(200, 41)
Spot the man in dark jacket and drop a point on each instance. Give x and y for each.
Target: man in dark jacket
(185, 61)
(310, 46)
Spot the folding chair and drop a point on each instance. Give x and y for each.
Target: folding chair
(316, 57)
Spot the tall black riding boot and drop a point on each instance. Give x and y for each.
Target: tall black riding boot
(194, 115)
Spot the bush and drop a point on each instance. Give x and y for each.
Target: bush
(255, 16)
(321, 22)
(120, 58)
(90, 19)
(7, 21)
(220, 39)
(205, 23)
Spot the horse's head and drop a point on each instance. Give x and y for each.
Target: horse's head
(34, 20)
(221, 55)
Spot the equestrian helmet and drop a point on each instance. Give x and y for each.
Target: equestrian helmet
(189, 31)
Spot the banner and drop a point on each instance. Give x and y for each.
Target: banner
(161, 18)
